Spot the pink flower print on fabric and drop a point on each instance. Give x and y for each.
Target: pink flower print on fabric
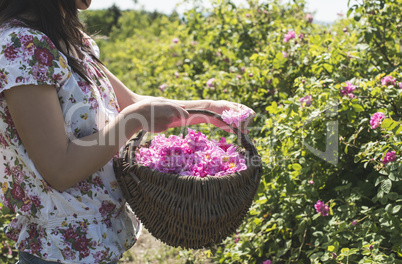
(321, 208)
(389, 157)
(348, 90)
(235, 117)
(288, 36)
(376, 119)
(44, 57)
(11, 53)
(388, 80)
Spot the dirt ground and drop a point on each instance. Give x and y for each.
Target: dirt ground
(149, 250)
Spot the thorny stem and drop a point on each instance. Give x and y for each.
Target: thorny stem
(302, 244)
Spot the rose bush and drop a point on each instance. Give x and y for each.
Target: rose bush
(329, 118)
(315, 95)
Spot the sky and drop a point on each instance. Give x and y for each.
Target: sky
(323, 10)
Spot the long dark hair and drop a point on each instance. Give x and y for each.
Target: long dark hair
(58, 19)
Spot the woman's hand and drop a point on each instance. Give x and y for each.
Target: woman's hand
(222, 105)
(156, 114)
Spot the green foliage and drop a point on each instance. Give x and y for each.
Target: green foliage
(325, 151)
(8, 254)
(101, 21)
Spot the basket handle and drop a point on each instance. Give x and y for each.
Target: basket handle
(245, 140)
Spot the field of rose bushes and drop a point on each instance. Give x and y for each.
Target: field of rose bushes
(329, 117)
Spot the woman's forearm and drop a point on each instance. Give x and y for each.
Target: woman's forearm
(84, 156)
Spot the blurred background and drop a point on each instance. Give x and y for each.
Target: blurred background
(325, 11)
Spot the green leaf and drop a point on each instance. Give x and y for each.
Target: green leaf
(357, 18)
(331, 248)
(386, 186)
(358, 108)
(296, 166)
(328, 67)
(349, 12)
(349, 252)
(396, 209)
(388, 124)
(368, 36)
(398, 130)
(279, 60)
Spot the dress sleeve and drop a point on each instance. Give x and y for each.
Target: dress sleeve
(28, 57)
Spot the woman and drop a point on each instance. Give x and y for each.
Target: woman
(64, 117)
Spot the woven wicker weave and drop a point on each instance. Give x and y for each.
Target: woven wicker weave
(188, 211)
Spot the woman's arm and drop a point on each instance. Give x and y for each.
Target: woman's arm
(126, 97)
(36, 113)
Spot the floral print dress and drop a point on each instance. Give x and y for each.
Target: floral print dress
(90, 222)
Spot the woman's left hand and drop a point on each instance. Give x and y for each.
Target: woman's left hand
(222, 105)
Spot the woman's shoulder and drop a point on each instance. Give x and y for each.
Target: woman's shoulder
(28, 56)
(16, 33)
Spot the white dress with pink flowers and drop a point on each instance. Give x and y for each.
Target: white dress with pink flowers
(90, 222)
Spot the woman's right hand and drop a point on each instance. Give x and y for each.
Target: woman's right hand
(155, 114)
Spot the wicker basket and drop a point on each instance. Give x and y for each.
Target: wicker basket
(188, 211)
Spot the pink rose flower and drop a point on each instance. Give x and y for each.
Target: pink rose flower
(210, 82)
(376, 119)
(193, 155)
(235, 117)
(163, 87)
(321, 208)
(389, 157)
(348, 90)
(388, 80)
(309, 18)
(305, 101)
(290, 35)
